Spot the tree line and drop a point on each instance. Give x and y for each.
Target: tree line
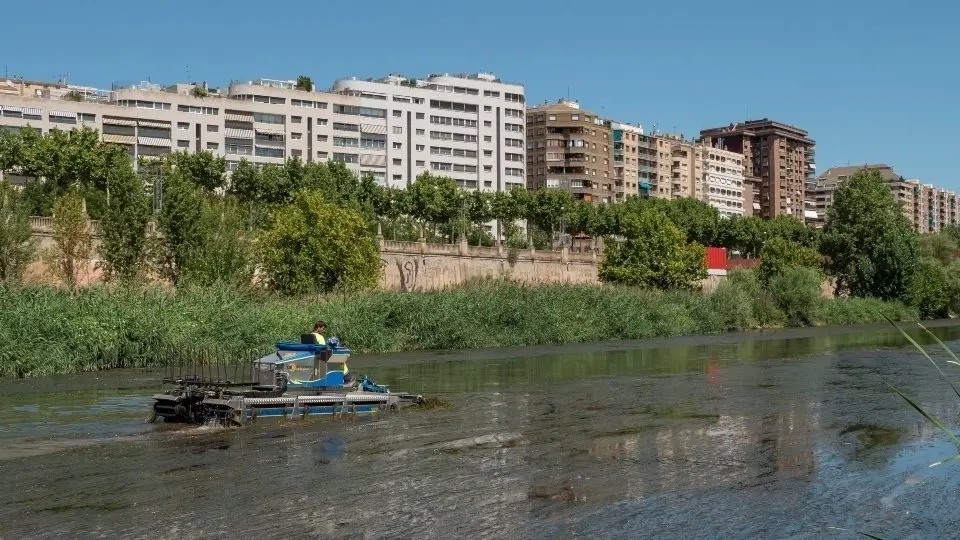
(307, 227)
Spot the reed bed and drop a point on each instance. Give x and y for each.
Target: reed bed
(45, 330)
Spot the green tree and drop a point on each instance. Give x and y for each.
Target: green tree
(780, 254)
(314, 246)
(938, 246)
(225, 246)
(181, 228)
(871, 248)
(434, 200)
(930, 290)
(653, 254)
(203, 169)
(697, 219)
(124, 225)
(73, 243)
(17, 247)
(548, 208)
(304, 83)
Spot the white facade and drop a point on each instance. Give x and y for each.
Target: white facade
(468, 127)
(723, 181)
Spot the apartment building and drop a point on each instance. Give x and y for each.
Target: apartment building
(723, 186)
(777, 158)
(647, 165)
(927, 207)
(571, 148)
(626, 160)
(469, 127)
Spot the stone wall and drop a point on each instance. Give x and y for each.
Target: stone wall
(419, 266)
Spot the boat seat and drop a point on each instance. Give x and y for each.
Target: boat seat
(308, 339)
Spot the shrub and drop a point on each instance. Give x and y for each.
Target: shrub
(796, 291)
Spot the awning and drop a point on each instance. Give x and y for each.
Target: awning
(270, 131)
(63, 114)
(32, 112)
(119, 139)
(154, 141)
(153, 124)
(756, 206)
(12, 109)
(372, 160)
(373, 128)
(237, 133)
(119, 121)
(237, 117)
(809, 214)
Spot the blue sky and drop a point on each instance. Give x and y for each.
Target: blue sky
(871, 81)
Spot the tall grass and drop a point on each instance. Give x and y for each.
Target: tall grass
(44, 330)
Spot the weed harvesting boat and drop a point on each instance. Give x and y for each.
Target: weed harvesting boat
(298, 380)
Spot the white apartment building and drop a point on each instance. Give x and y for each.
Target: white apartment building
(723, 180)
(468, 127)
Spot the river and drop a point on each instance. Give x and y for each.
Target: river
(786, 434)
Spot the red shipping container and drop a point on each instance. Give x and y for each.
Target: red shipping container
(716, 258)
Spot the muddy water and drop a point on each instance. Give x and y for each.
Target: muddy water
(781, 435)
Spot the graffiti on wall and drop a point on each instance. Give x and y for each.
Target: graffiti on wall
(409, 274)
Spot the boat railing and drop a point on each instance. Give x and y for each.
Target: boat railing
(212, 370)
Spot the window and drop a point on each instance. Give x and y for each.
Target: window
(514, 98)
(397, 161)
(448, 121)
(420, 163)
(574, 117)
(488, 168)
(296, 152)
(487, 123)
(398, 178)
(420, 148)
(321, 154)
(509, 171)
(397, 146)
(212, 128)
(487, 108)
(517, 143)
(86, 117)
(346, 158)
(346, 127)
(513, 113)
(421, 132)
(321, 138)
(397, 130)
(296, 119)
(321, 121)
(487, 153)
(490, 93)
(516, 128)
(445, 136)
(183, 144)
(420, 116)
(267, 118)
(360, 111)
(296, 136)
(213, 146)
(268, 152)
(452, 106)
(183, 126)
(397, 114)
(372, 143)
(239, 149)
(553, 118)
(197, 110)
(514, 157)
(350, 142)
(487, 138)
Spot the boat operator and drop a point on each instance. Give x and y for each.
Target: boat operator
(318, 329)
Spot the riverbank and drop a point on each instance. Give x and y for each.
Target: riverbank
(45, 330)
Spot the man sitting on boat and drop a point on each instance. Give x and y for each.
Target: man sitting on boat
(339, 362)
(318, 329)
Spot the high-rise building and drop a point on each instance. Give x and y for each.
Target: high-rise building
(626, 160)
(723, 186)
(776, 159)
(571, 148)
(468, 127)
(927, 207)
